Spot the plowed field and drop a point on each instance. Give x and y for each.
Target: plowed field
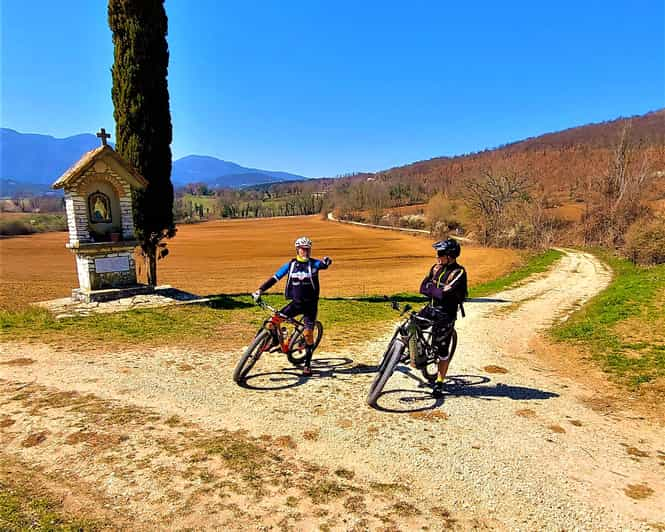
(236, 256)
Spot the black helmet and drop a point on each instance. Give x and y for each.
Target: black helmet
(449, 247)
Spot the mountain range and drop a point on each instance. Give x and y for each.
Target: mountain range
(30, 162)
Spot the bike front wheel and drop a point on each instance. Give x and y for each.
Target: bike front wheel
(385, 371)
(298, 347)
(251, 355)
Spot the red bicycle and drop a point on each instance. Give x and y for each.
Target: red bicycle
(278, 333)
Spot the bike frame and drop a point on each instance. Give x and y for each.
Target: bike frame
(273, 325)
(411, 331)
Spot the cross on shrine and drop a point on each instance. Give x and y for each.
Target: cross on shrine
(103, 135)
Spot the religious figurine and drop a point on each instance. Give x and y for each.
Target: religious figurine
(100, 211)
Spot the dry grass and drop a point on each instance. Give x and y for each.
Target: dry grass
(634, 451)
(35, 439)
(6, 422)
(429, 415)
(235, 256)
(18, 362)
(96, 440)
(324, 490)
(345, 473)
(311, 435)
(495, 369)
(638, 491)
(200, 478)
(286, 442)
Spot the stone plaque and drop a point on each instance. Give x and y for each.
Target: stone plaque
(112, 264)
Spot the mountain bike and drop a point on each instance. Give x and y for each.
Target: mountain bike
(411, 344)
(278, 334)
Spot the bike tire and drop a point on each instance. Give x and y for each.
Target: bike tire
(251, 356)
(297, 352)
(431, 370)
(386, 369)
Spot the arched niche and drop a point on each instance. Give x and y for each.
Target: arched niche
(103, 209)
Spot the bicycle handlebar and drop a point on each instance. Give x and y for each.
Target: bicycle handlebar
(412, 313)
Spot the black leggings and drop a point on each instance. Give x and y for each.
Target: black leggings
(308, 309)
(441, 330)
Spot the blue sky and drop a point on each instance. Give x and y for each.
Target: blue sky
(322, 88)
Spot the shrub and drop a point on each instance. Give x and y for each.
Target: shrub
(645, 241)
(33, 223)
(442, 216)
(16, 227)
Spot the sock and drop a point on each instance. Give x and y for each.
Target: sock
(439, 379)
(308, 356)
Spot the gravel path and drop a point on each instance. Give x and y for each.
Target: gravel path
(513, 444)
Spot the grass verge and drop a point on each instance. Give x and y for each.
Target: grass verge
(229, 322)
(623, 327)
(533, 264)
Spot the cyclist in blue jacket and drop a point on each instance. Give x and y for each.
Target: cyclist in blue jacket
(302, 289)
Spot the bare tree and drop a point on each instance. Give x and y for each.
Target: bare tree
(491, 197)
(614, 199)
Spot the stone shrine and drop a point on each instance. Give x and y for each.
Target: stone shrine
(98, 201)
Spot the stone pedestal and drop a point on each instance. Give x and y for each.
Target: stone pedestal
(106, 271)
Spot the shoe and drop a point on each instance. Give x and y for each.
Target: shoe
(438, 389)
(307, 371)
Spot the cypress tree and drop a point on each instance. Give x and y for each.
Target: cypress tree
(143, 118)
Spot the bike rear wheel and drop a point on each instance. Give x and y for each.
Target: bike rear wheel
(252, 355)
(431, 370)
(386, 369)
(297, 345)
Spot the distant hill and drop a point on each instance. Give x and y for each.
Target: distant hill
(218, 173)
(30, 162)
(13, 189)
(560, 161)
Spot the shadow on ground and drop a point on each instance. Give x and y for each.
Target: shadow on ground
(476, 386)
(290, 377)
(486, 300)
(229, 301)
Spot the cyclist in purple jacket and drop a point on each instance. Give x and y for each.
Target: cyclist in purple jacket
(446, 286)
(302, 289)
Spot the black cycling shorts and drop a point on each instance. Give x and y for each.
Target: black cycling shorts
(308, 309)
(442, 329)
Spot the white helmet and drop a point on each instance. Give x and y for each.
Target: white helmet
(303, 242)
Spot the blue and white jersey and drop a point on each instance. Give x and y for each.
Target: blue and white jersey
(302, 283)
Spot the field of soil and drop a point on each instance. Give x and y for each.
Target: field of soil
(235, 256)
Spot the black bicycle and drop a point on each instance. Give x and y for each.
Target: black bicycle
(411, 344)
(278, 333)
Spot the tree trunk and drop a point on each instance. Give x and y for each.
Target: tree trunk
(151, 262)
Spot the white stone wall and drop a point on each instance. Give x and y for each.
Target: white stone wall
(85, 266)
(77, 217)
(90, 279)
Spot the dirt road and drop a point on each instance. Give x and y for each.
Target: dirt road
(512, 445)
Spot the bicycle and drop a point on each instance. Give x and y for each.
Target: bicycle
(274, 336)
(411, 344)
